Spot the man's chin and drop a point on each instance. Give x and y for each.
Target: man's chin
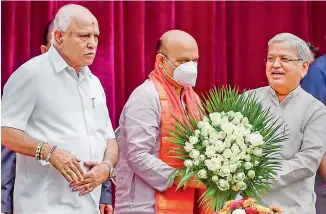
(89, 62)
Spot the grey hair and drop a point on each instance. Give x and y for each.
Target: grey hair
(303, 51)
(63, 18)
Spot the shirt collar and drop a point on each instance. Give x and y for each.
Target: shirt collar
(292, 94)
(60, 64)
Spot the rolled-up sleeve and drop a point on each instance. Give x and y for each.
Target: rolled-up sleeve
(109, 130)
(8, 174)
(142, 127)
(306, 162)
(18, 99)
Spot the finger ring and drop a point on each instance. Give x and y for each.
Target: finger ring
(67, 170)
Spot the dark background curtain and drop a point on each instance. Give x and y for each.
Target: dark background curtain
(232, 38)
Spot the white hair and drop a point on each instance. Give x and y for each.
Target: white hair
(63, 18)
(303, 51)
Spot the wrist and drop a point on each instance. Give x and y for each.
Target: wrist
(109, 167)
(46, 150)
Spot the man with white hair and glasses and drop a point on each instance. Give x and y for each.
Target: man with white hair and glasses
(54, 115)
(304, 120)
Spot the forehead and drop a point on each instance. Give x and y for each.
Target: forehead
(183, 50)
(85, 24)
(282, 48)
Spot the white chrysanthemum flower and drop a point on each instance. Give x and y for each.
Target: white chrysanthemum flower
(239, 211)
(239, 139)
(241, 185)
(219, 157)
(242, 155)
(238, 115)
(226, 162)
(202, 157)
(215, 118)
(205, 143)
(224, 171)
(225, 119)
(215, 178)
(213, 164)
(240, 176)
(243, 147)
(208, 163)
(188, 163)
(194, 154)
(251, 174)
(209, 152)
(249, 151)
(227, 153)
(196, 162)
(193, 140)
(230, 114)
(257, 152)
(202, 174)
(235, 149)
(236, 121)
(220, 147)
(234, 158)
(231, 137)
(256, 163)
(239, 164)
(248, 158)
(213, 140)
(244, 121)
(188, 147)
(212, 132)
(204, 132)
(227, 143)
(197, 133)
(221, 135)
(256, 139)
(200, 124)
(233, 167)
(248, 165)
(223, 185)
(228, 128)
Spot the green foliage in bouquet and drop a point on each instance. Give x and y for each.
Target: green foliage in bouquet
(234, 147)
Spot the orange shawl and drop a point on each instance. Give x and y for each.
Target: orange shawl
(172, 201)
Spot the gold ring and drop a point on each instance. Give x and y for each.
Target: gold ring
(68, 170)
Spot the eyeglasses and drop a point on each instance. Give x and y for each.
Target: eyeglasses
(179, 62)
(282, 59)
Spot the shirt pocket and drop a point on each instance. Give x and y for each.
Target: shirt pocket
(100, 115)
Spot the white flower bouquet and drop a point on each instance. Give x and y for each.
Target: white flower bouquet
(234, 147)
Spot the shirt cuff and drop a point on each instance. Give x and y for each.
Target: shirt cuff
(106, 193)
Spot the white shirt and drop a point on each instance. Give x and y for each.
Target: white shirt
(45, 98)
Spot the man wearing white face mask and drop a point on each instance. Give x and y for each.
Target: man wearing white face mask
(145, 166)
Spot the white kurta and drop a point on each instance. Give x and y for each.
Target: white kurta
(46, 99)
(305, 118)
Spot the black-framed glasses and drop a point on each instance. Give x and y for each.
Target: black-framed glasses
(282, 59)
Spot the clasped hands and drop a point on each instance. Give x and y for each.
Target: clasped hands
(84, 182)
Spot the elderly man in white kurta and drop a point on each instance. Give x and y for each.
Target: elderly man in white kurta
(305, 119)
(54, 116)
